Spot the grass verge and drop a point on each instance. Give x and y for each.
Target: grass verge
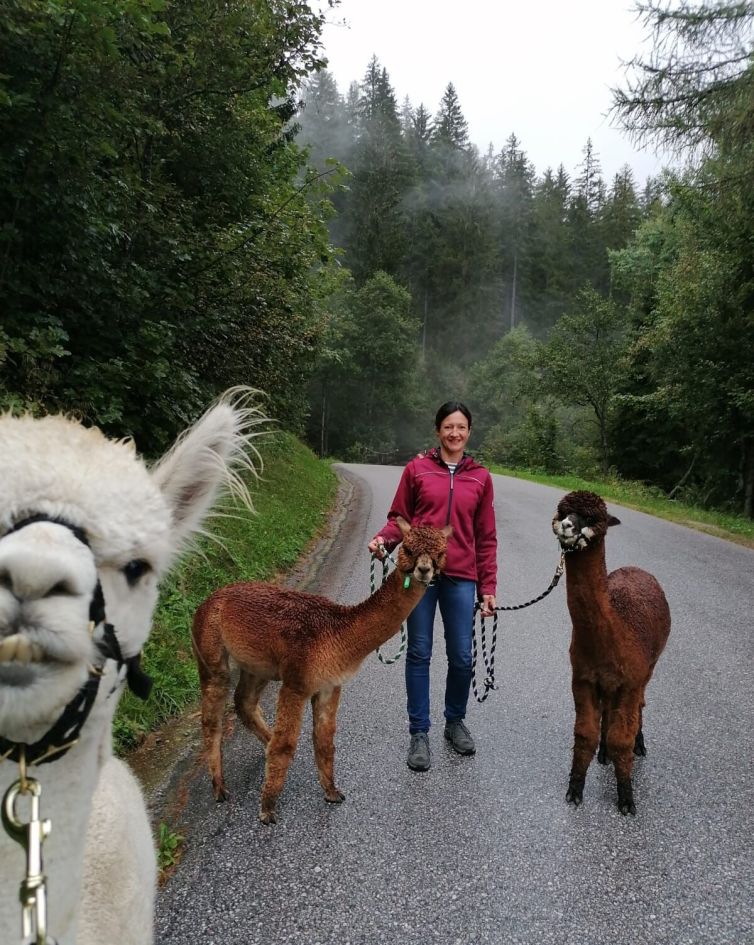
(292, 502)
(637, 495)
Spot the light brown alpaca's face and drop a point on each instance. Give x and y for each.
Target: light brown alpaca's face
(423, 552)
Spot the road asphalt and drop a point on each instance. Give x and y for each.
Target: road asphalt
(485, 849)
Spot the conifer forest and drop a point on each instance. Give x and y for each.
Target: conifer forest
(189, 201)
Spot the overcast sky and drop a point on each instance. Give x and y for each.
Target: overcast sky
(541, 69)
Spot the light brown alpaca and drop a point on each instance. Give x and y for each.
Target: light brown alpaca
(312, 645)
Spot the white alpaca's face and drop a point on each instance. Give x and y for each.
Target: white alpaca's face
(56, 468)
(130, 523)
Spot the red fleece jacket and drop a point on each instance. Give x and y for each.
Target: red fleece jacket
(428, 495)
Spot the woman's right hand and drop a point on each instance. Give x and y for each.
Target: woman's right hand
(377, 546)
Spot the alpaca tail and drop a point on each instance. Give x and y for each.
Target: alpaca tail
(207, 641)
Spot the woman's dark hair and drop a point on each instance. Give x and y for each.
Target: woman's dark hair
(448, 408)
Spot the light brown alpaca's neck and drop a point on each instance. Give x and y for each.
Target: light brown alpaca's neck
(380, 616)
(586, 588)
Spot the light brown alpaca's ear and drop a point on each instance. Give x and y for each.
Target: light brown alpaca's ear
(612, 520)
(403, 525)
(447, 531)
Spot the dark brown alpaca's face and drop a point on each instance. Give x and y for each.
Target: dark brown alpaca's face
(582, 519)
(423, 552)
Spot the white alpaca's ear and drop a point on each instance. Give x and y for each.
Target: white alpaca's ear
(208, 459)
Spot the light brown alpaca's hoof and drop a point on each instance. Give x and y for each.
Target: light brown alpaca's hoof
(268, 816)
(220, 791)
(335, 796)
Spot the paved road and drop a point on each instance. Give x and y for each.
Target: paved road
(485, 849)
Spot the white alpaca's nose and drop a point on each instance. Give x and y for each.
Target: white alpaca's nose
(45, 560)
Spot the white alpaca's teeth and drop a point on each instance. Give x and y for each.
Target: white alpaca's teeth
(18, 649)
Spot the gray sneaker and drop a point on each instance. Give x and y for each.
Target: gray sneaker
(460, 738)
(418, 753)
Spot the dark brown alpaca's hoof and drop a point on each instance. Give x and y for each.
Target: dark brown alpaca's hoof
(268, 816)
(220, 791)
(626, 798)
(640, 747)
(335, 796)
(575, 792)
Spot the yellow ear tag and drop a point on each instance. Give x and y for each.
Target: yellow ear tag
(406, 582)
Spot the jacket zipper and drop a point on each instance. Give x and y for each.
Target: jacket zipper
(452, 479)
(450, 496)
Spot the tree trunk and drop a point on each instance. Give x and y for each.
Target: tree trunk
(684, 477)
(602, 419)
(424, 323)
(748, 447)
(323, 423)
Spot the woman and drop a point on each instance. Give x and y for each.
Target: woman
(446, 486)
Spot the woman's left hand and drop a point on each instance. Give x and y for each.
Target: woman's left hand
(488, 605)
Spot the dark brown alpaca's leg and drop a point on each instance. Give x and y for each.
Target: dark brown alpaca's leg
(621, 737)
(215, 680)
(640, 747)
(602, 756)
(324, 713)
(280, 749)
(586, 735)
(246, 698)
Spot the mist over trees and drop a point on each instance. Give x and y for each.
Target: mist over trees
(189, 201)
(484, 247)
(595, 326)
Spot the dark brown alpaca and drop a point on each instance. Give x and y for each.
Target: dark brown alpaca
(312, 645)
(621, 623)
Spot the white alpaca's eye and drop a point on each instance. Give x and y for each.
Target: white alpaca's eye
(135, 569)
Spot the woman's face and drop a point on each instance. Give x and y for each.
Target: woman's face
(454, 433)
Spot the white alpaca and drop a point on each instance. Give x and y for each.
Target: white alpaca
(89, 510)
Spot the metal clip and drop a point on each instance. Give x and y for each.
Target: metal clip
(31, 835)
(561, 565)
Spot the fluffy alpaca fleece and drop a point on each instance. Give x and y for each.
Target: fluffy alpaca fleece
(312, 645)
(135, 521)
(621, 623)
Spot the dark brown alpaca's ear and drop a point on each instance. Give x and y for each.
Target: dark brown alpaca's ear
(403, 525)
(447, 531)
(612, 520)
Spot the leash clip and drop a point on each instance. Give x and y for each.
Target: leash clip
(30, 835)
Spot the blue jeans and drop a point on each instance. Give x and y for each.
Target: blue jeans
(456, 598)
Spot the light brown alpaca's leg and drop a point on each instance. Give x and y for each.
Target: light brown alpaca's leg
(621, 737)
(324, 713)
(215, 681)
(585, 737)
(246, 699)
(280, 749)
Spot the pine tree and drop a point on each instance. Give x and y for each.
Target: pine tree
(451, 128)
(551, 267)
(382, 173)
(515, 184)
(588, 255)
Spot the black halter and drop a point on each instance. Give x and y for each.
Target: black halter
(65, 732)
